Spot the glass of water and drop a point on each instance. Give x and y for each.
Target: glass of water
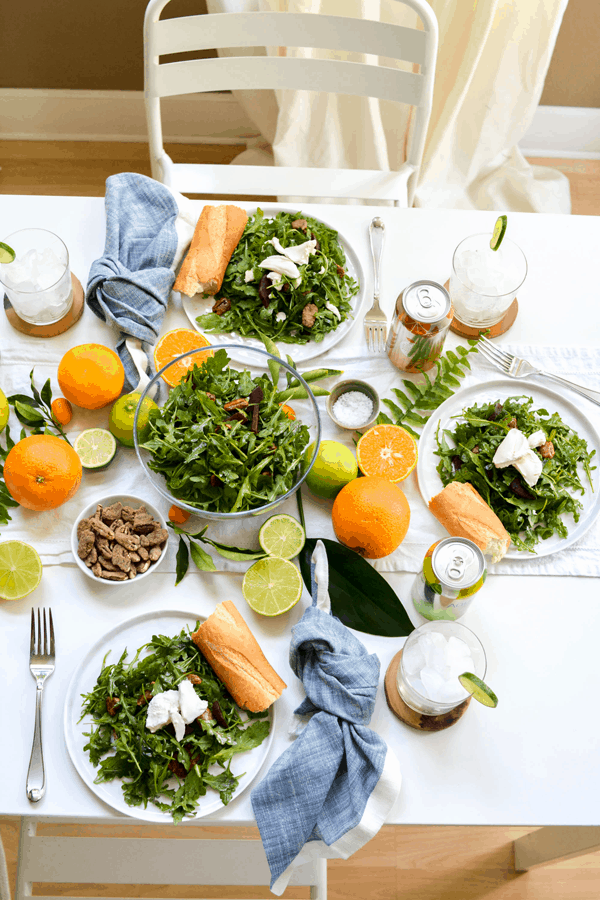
(38, 281)
(484, 282)
(433, 657)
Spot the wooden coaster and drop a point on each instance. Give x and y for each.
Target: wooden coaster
(410, 716)
(68, 320)
(491, 331)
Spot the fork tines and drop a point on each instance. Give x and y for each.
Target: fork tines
(493, 354)
(376, 337)
(42, 649)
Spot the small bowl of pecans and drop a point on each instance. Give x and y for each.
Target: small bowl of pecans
(119, 539)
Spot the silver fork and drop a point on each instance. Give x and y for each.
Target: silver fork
(41, 666)
(375, 319)
(520, 368)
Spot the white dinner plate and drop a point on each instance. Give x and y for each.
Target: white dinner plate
(430, 482)
(197, 306)
(132, 634)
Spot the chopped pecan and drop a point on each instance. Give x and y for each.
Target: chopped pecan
(146, 697)
(210, 396)
(512, 423)
(98, 513)
(127, 513)
(143, 567)
(155, 553)
(206, 716)
(195, 679)
(111, 513)
(108, 564)
(86, 542)
(119, 523)
(155, 538)
(300, 224)
(143, 553)
(222, 305)
(141, 517)
(97, 570)
(121, 558)
(135, 557)
(92, 558)
(218, 714)
(101, 529)
(476, 448)
(113, 576)
(129, 541)
(106, 552)
(84, 525)
(239, 403)
(309, 314)
(340, 271)
(132, 572)
(112, 705)
(547, 450)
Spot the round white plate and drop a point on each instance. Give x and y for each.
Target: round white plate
(132, 634)
(197, 306)
(430, 482)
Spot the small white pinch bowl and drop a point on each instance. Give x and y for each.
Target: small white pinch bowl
(126, 500)
(343, 387)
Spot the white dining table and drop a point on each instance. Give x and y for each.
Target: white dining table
(533, 761)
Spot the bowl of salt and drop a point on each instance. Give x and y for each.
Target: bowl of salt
(353, 405)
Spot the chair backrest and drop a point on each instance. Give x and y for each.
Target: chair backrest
(238, 30)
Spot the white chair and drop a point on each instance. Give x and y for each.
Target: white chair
(159, 861)
(255, 29)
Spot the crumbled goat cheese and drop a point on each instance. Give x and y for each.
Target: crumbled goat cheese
(353, 409)
(536, 439)
(178, 708)
(299, 254)
(530, 466)
(249, 275)
(280, 264)
(512, 448)
(280, 317)
(332, 308)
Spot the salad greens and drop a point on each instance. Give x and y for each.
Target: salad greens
(529, 514)
(226, 459)
(122, 747)
(280, 318)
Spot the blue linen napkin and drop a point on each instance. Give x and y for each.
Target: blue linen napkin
(331, 791)
(130, 285)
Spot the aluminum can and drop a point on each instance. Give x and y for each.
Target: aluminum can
(421, 321)
(453, 572)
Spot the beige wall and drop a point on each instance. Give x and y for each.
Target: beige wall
(97, 45)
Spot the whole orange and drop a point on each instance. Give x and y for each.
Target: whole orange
(91, 375)
(371, 515)
(42, 472)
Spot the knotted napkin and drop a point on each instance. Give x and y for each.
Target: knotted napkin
(148, 227)
(331, 791)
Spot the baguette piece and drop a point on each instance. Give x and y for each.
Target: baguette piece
(464, 513)
(233, 652)
(217, 234)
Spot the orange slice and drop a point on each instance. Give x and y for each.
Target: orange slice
(173, 344)
(388, 451)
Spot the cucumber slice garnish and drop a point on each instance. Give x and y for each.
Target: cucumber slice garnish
(499, 232)
(478, 689)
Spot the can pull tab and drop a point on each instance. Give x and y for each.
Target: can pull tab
(456, 567)
(425, 298)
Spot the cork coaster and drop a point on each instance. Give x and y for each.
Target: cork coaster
(410, 716)
(491, 331)
(55, 328)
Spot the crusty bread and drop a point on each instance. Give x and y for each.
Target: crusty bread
(217, 234)
(464, 513)
(233, 652)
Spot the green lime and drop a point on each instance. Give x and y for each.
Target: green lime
(272, 586)
(7, 255)
(478, 689)
(20, 570)
(122, 416)
(4, 410)
(95, 447)
(334, 467)
(282, 536)
(499, 232)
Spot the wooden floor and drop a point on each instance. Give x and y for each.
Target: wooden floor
(400, 863)
(78, 168)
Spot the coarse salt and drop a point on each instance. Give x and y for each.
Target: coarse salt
(353, 409)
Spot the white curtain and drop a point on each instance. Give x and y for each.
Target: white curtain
(492, 61)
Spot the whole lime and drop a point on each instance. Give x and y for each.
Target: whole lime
(4, 410)
(334, 467)
(122, 415)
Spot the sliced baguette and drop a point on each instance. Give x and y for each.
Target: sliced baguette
(217, 234)
(464, 513)
(233, 652)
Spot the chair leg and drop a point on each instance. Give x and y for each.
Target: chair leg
(318, 891)
(28, 830)
(4, 885)
(553, 843)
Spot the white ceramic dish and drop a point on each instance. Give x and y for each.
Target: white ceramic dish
(126, 500)
(197, 306)
(430, 482)
(130, 635)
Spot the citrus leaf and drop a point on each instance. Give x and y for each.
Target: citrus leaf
(27, 414)
(360, 597)
(46, 394)
(182, 561)
(239, 554)
(201, 558)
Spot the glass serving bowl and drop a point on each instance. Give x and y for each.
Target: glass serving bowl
(257, 363)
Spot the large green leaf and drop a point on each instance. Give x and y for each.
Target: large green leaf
(360, 597)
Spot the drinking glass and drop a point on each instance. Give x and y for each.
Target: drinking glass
(484, 282)
(409, 682)
(38, 281)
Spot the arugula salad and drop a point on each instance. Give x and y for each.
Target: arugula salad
(156, 767)
(223, 439)
(529, 514)
(293, 299)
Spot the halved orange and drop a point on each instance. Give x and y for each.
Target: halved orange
(387, 450)
(173, 344)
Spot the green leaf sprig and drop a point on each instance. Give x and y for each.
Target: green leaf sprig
(35, 412)
(200, 557)
(429, 393)
(6, 500)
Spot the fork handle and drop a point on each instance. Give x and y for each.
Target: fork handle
(377, 235)
(36, 774)
(594, 396)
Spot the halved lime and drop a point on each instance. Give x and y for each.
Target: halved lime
(282, 536)
(478, 689)
(20, 570)
(499, 232)
(7, 254)
(272, 586)
(95, 447)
